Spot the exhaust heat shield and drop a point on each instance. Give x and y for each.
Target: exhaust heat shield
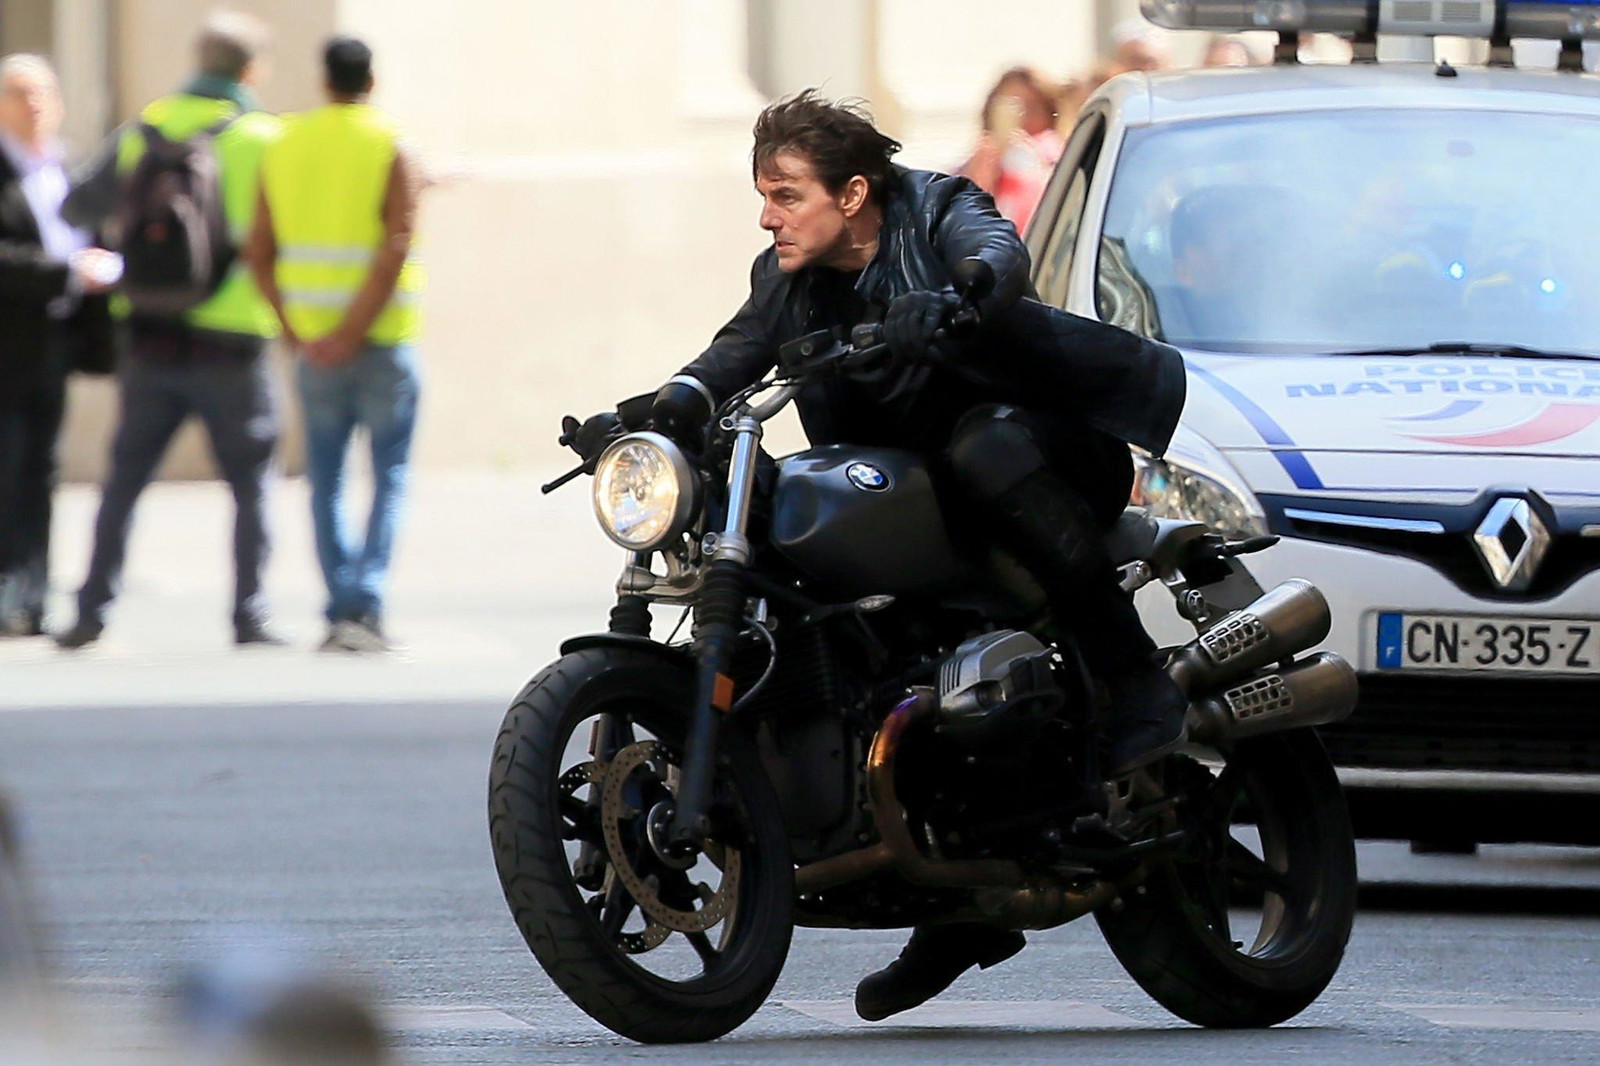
(1290, 618)
(1318, 690)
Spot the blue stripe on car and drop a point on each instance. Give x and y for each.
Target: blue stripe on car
(1293, 461)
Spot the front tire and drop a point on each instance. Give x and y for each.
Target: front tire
(654, 954)
(1247, 923)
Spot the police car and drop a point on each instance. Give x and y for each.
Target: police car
(1385, 281)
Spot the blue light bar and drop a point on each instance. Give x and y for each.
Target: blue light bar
(1572, 20)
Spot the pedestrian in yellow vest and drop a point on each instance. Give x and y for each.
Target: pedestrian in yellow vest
(207, 359)
(331, 251)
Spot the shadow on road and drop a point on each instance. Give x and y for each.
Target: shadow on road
(1576, 901)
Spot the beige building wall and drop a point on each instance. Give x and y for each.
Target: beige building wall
(597, 220)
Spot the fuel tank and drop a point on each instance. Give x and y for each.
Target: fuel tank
(863, 521)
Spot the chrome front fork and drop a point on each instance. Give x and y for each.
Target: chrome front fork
(719, 617)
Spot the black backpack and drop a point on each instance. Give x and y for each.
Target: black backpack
(174, 235)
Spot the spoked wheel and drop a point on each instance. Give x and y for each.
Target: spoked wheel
(1246, 923)
(585, 771)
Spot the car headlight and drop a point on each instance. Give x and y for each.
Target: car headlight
(1194, 483)
(645, 491)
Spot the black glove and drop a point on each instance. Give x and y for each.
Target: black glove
(681, 411)
(911, 322)
(591, 437)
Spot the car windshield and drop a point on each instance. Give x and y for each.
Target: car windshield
(1349, 230)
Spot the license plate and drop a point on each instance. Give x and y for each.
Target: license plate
(1435, 642)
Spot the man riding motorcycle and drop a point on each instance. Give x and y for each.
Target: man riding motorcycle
(1025, 418)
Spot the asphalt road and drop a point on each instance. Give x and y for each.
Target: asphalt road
(355, 833)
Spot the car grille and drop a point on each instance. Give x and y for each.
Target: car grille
(1571, 555)
(1471, 723)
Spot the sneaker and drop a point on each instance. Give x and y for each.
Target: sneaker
(81, 635)
(334, 641)
(930, 963)
(257, 632)
(362, 636)
(1145, 719)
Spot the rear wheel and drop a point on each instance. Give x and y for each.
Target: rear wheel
(658, 952)
(1247, 922)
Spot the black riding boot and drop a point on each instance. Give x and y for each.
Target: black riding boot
(930, 962)
(1057, 538)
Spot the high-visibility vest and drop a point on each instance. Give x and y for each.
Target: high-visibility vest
(237, 306)
(325, 181)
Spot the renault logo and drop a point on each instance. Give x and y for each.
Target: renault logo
(1512, 541)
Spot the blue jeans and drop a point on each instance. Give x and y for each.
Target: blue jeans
(377, 389)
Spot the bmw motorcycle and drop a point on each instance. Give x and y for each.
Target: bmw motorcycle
(871, 724)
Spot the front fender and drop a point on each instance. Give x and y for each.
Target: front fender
(668, 652)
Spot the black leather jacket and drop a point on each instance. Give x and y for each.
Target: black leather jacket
(1025, 353)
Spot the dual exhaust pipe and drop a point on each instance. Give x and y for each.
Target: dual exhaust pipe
(1221, 670)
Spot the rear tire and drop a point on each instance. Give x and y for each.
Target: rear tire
(1175, 932)
(538, 817)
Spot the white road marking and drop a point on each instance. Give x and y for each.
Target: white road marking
(413, 1018)
(1492, 1016)
(996, 1014)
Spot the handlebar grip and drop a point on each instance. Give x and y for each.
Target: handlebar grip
(866, 335)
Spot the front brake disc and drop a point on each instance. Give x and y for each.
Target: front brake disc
(652, 935)
(615, 811)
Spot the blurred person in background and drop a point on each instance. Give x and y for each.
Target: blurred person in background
(209, 360)
(1224, 51)
(53, 319)
(1137, 45)
(1019, 144)
(332, 250)
(1074, 93)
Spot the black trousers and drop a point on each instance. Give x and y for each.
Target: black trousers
(1050, 487)
(993, 447)
(223, 379)
(30, 422)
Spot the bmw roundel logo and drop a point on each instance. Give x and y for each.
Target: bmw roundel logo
(867, 477)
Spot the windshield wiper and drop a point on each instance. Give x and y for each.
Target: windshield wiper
(1509, 351)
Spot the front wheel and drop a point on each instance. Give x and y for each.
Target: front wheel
(1247, 922)
(589, 751)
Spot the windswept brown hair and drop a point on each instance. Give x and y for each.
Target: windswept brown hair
(837, 137)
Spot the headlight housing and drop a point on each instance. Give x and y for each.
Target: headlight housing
(1195, 483)
(645, 491)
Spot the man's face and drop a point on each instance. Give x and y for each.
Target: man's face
(30, 106)
(809, 224)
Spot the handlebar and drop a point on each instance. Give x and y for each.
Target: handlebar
(551, 486)
(866, 347)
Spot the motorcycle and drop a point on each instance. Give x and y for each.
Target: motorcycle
(872, 724)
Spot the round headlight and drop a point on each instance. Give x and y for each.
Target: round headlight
(644, 491)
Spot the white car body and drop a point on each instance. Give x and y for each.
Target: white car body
(1377, 471)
